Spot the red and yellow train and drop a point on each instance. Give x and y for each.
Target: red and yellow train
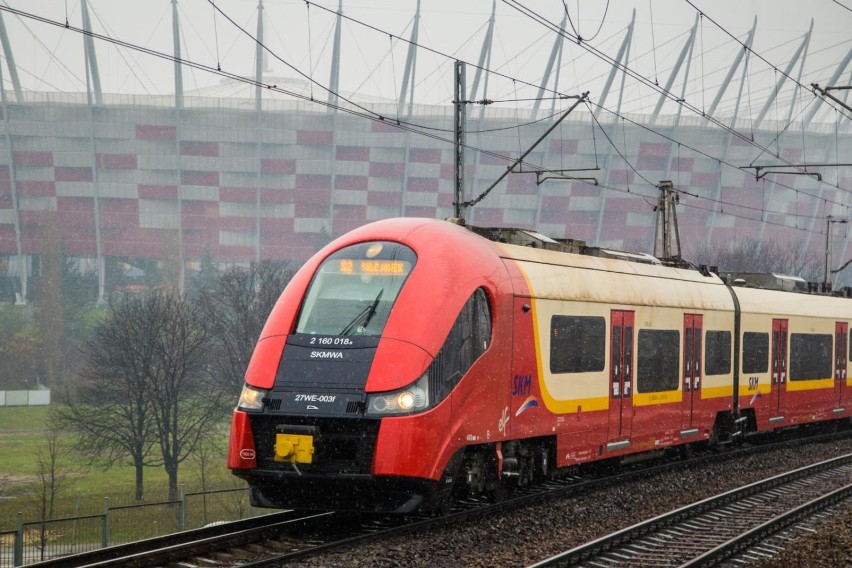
(414, 360)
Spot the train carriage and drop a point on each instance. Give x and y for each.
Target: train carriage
(796, 357)
(619, 352)
(414, 360)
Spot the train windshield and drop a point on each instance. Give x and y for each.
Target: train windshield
(354, 289)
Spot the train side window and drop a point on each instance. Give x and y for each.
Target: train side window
(717, 353)
(810, 356)
(577, 344)
(755, 352)
(657, 360)
(469, 338)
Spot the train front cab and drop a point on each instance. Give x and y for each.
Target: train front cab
(383, 422)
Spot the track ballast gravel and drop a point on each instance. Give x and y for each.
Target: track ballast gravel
(532, 533)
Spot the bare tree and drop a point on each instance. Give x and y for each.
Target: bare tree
(108, 404)
(51, 481)
(236, 311)
(753, 255)
(185, 401)
(146, 384)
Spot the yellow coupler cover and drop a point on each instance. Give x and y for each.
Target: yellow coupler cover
(294, 448)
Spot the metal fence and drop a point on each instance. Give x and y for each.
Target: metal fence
(34, 541)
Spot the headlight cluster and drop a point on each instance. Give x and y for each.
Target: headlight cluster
(251, 398)
(407, 400)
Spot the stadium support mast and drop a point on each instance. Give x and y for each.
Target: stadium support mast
(178, 65)
(258, 57)
(555, 54)
(10, 62)
(410, 67)
(687, 50)
(800, 52)
(741, 53)
(91, 57)
(621, 58)
(484, 57)
(334, 80)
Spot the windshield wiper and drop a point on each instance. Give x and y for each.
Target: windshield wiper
(364, 317)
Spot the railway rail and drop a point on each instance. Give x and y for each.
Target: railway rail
(273, 539)
(715, 529)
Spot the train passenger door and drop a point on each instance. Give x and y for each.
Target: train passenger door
(621, 375)
(692, 326)
(779, 367)
(841, 347)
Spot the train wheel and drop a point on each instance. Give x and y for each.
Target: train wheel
(499, 492)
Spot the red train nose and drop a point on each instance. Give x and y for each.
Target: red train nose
(241, 454)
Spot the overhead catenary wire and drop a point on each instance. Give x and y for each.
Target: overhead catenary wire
(633, 73)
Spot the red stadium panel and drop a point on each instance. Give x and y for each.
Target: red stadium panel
(83, 174)
(189, 177)
(386, 169)
(683, 164)
(196, 148)
(424, 155)
(117, 212)
(352, 153)
(704, 180)
(278, 195)
(655, 163)
(237, 194)
(376, 126)
(521, 184)
(487, 159)
(421, 211)
(116, 161)
(621, 177)
(446, 199)
(247, 224)
(553, 209)
(277, 166)
(564, 145)
(314, 137)
(350, 182)
(429, 185)
(312, 210)
(199, 214)
(488, 216)
(7, 239)
(151, 191)
(313, 181)
(74, 211)
(384, 198)
(275, 226)
(155, 132)
(654, 149)
(225, 251)
(36, 188)
(32, 159)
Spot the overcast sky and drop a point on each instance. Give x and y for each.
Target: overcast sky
(49, 58)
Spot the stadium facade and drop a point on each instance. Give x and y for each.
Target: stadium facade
(249, 179)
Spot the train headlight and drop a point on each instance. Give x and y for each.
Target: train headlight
(407, 400)
(251, 398)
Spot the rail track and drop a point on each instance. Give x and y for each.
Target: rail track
(289, 536)
(714, 530)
